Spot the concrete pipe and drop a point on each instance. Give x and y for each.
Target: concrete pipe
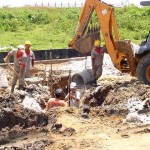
(82, 78)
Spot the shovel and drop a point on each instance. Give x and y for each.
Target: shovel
(11, 68)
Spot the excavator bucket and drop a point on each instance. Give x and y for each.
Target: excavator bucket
(85, 43)
(126, 49)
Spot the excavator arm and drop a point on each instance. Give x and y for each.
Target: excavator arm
(120, 52)
(83, 23)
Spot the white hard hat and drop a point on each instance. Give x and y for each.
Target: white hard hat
(21, 47)
(73, 85)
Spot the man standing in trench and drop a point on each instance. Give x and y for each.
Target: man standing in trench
(73, 96)
(20, 59)
(56, 101)
(30, 59)
(97, 55)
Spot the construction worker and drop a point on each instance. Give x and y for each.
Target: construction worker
(20, 59)
(73, 96)
(30, 59)
(56, 101)
(97, 55)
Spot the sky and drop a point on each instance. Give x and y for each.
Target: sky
(18, 3)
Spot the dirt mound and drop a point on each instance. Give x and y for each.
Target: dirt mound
(26, 128)
(21, 139)
(114, 96)
(12, 113)
(122, 91)
(116, 93)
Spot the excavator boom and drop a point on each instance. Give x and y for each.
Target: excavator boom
(121, 52)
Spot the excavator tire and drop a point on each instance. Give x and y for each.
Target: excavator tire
(143, 69)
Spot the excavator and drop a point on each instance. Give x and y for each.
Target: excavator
(125, 55)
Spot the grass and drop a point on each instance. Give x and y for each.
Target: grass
(50, 28)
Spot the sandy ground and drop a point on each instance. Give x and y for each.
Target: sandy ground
(106, 133)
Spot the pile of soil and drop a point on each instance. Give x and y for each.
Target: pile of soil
(66, 128)
(12, 113)
(15, 120)
(114, 96)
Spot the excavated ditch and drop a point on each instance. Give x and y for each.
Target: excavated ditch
(23, 123)
(18, 125)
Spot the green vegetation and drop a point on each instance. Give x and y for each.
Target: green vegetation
(134, 22)
(49, 28)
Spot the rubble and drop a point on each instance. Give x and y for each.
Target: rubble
(20, 136)
(3, 79)
(22, 115)
(34, 97)
(139, 111)
(85, 110)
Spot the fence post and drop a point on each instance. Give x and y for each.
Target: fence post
(48, 4)
(51, 71)
(75, 4)
(46, 55)
(68, 5)
(61, 4)
(55, 4)
(69, 81)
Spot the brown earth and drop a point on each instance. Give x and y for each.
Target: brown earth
(64, 128)
(106, 129)
(100, 132)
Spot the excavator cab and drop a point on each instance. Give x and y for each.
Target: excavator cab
(144, 47)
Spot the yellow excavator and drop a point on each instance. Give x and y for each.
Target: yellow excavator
(126, 56)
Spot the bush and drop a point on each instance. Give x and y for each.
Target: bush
(54, 27)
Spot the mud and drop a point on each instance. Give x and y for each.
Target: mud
(99, 124)
(16, 121)
(12, 113)
(114, 96)
(24, 128)
(19, 138)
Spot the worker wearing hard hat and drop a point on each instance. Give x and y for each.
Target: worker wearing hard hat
(30, 59)
(73, 96)
(97, 55)
(20, 59)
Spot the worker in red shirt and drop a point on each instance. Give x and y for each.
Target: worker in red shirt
(97, 55)
(30, 59)
(56, 101)
(20, 59)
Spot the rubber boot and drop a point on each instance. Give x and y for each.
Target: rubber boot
(12, 89)
(94, 82)
(20, 87)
